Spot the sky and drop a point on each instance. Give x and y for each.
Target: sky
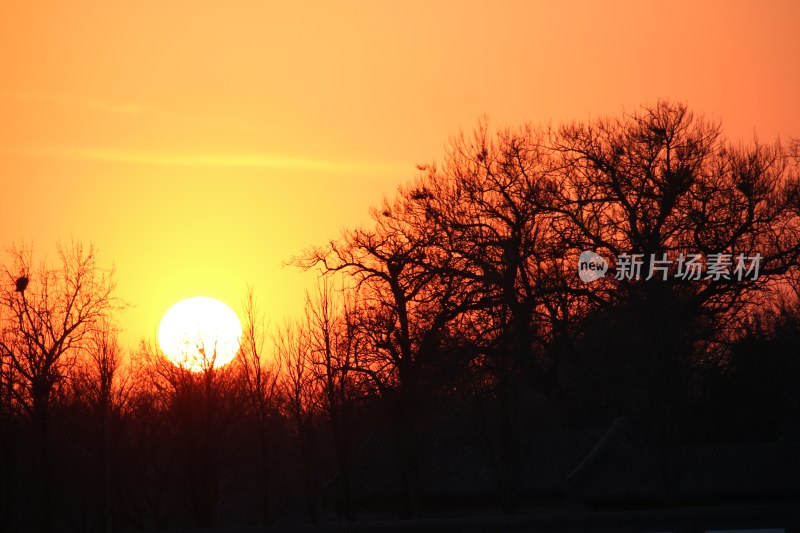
(201, 145)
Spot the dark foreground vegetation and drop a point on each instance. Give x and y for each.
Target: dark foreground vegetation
(451, 362)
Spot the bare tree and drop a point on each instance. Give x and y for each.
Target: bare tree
(103, 383)
(335, 348)
(496, 245)
(200, 404)
(664, 185)
(151, 459)
(664, 181)
(299, 389)
(401, 314)
(260, 374)
(9, 439)
(50, 317)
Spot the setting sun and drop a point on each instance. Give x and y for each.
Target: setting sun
(200, 332)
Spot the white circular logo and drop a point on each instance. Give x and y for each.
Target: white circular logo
(591, 266)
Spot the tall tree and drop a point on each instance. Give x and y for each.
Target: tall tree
(496, 245)
(50, 316)
(335, 347)
(260, 373)
(199, 404)
(300, 391)
(399, 319)
(662, 185)
(103, 384)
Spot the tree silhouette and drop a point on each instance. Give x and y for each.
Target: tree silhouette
(45, 327)
(497, 247)
(335, 348)
(199, 408)
(400, 315)
(300, 405)
(663, 183)
(446, 338)
(259, 374)
(103, 387)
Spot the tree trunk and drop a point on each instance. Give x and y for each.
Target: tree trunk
(42, 460)
(409, 459)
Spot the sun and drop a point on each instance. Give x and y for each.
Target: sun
(200, 333)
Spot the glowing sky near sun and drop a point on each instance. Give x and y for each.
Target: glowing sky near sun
(200, 145)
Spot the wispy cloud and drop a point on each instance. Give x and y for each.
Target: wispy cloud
(89, 103)
(114, 108)
(173, 159)
(197, 160)
(131, 109)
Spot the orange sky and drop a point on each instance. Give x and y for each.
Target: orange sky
(199, 145)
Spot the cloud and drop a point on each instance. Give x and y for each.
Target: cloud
(171, 159)
(196, 160)
(114, 108)
(131, 109)
(98, 105)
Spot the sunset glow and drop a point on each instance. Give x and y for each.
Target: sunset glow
(361, 264)
(234, 136)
